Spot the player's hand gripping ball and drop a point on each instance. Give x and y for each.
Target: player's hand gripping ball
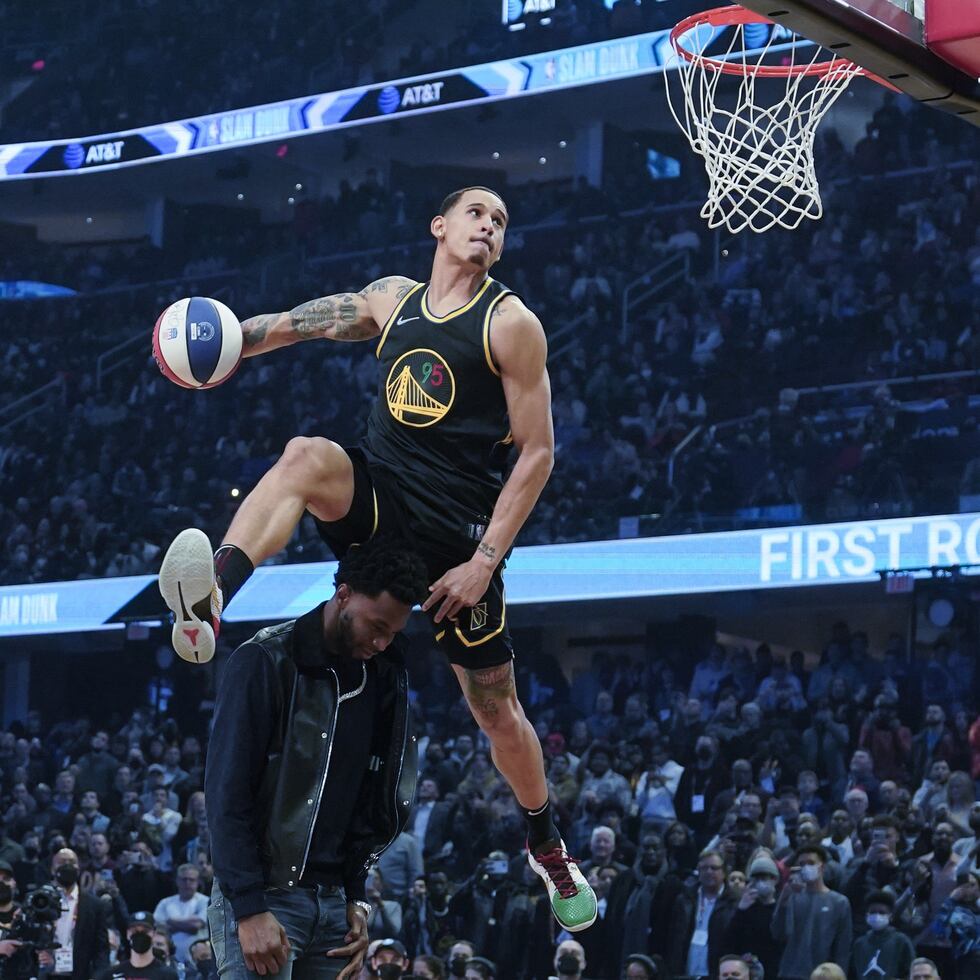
(197, 342)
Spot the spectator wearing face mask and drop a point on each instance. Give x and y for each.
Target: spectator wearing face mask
(569, 961)
(460, 953)
(750, 927)
(812, 921)
(80, 930)
(202, 960)
(389, 960)
(141, 964)
(882, 952)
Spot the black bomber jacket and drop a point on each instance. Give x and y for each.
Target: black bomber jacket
(267, 763)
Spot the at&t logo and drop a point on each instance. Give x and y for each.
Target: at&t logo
(517, 10)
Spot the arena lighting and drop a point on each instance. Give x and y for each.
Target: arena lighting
(587, 64)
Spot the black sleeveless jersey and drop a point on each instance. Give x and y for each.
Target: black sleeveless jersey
(440, 423)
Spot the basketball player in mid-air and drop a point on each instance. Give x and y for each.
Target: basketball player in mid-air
(462, 377)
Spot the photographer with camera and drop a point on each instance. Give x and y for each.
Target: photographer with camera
(10, 945)
(477, 909)
(142, 964)
(81, 939)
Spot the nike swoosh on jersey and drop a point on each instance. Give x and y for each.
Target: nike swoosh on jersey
(405, 319)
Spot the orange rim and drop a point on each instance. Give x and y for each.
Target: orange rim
(734, 16)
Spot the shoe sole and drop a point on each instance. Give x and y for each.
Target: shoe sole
(186, 578)
(543, 875)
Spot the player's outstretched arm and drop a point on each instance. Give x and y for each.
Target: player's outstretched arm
(343, 316)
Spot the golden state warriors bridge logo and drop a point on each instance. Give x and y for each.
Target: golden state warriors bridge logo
(420, 388)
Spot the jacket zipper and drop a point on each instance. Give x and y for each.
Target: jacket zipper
(323, 782)
(401, 765)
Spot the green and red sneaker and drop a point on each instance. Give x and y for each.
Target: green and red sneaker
(573, 901)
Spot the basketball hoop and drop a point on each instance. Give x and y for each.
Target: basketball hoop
(759, 159)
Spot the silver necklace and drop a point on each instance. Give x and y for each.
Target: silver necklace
(354, 693)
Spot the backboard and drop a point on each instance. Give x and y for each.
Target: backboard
(929, 49)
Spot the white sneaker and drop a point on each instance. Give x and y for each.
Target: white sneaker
(190, 590)
(573, 902)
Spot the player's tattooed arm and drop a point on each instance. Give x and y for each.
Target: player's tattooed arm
(343, 316)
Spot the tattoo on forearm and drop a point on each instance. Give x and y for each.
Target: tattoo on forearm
(487, 550)
(254, 330)
(329, 316)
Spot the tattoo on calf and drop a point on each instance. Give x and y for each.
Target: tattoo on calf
(488, 687)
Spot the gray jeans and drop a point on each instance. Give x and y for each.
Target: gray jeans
(315, 921)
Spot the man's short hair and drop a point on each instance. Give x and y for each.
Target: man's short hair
(923, 961)
(451, 200)
(710, 853)
(880, 898)
(602, 828)
(734, 958)
(818, 849)
(384, 566)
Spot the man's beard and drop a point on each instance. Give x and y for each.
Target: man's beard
(345, 635)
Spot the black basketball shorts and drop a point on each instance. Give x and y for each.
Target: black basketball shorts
(479, 637)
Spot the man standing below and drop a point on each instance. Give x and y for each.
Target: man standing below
(813, 921)
(142, 964)
(462, 378)
(80, 931)
(184, 914)
(310, 774)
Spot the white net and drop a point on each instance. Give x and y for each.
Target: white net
(758, 157)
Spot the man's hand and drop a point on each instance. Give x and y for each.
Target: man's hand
(10, 946)
(357, 943)
(748, 898)
(44, 958)
(459, 588)
(264, 943)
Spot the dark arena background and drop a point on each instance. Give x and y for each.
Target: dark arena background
(744, 607)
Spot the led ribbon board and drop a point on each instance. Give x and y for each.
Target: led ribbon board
(67, 607)
(689, 564)
(725, 561)
(566, 68)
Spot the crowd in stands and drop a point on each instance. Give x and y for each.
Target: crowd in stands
(752, 810)
(109, 56)
(884, 287)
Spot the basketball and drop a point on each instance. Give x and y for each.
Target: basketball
(197, 342)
